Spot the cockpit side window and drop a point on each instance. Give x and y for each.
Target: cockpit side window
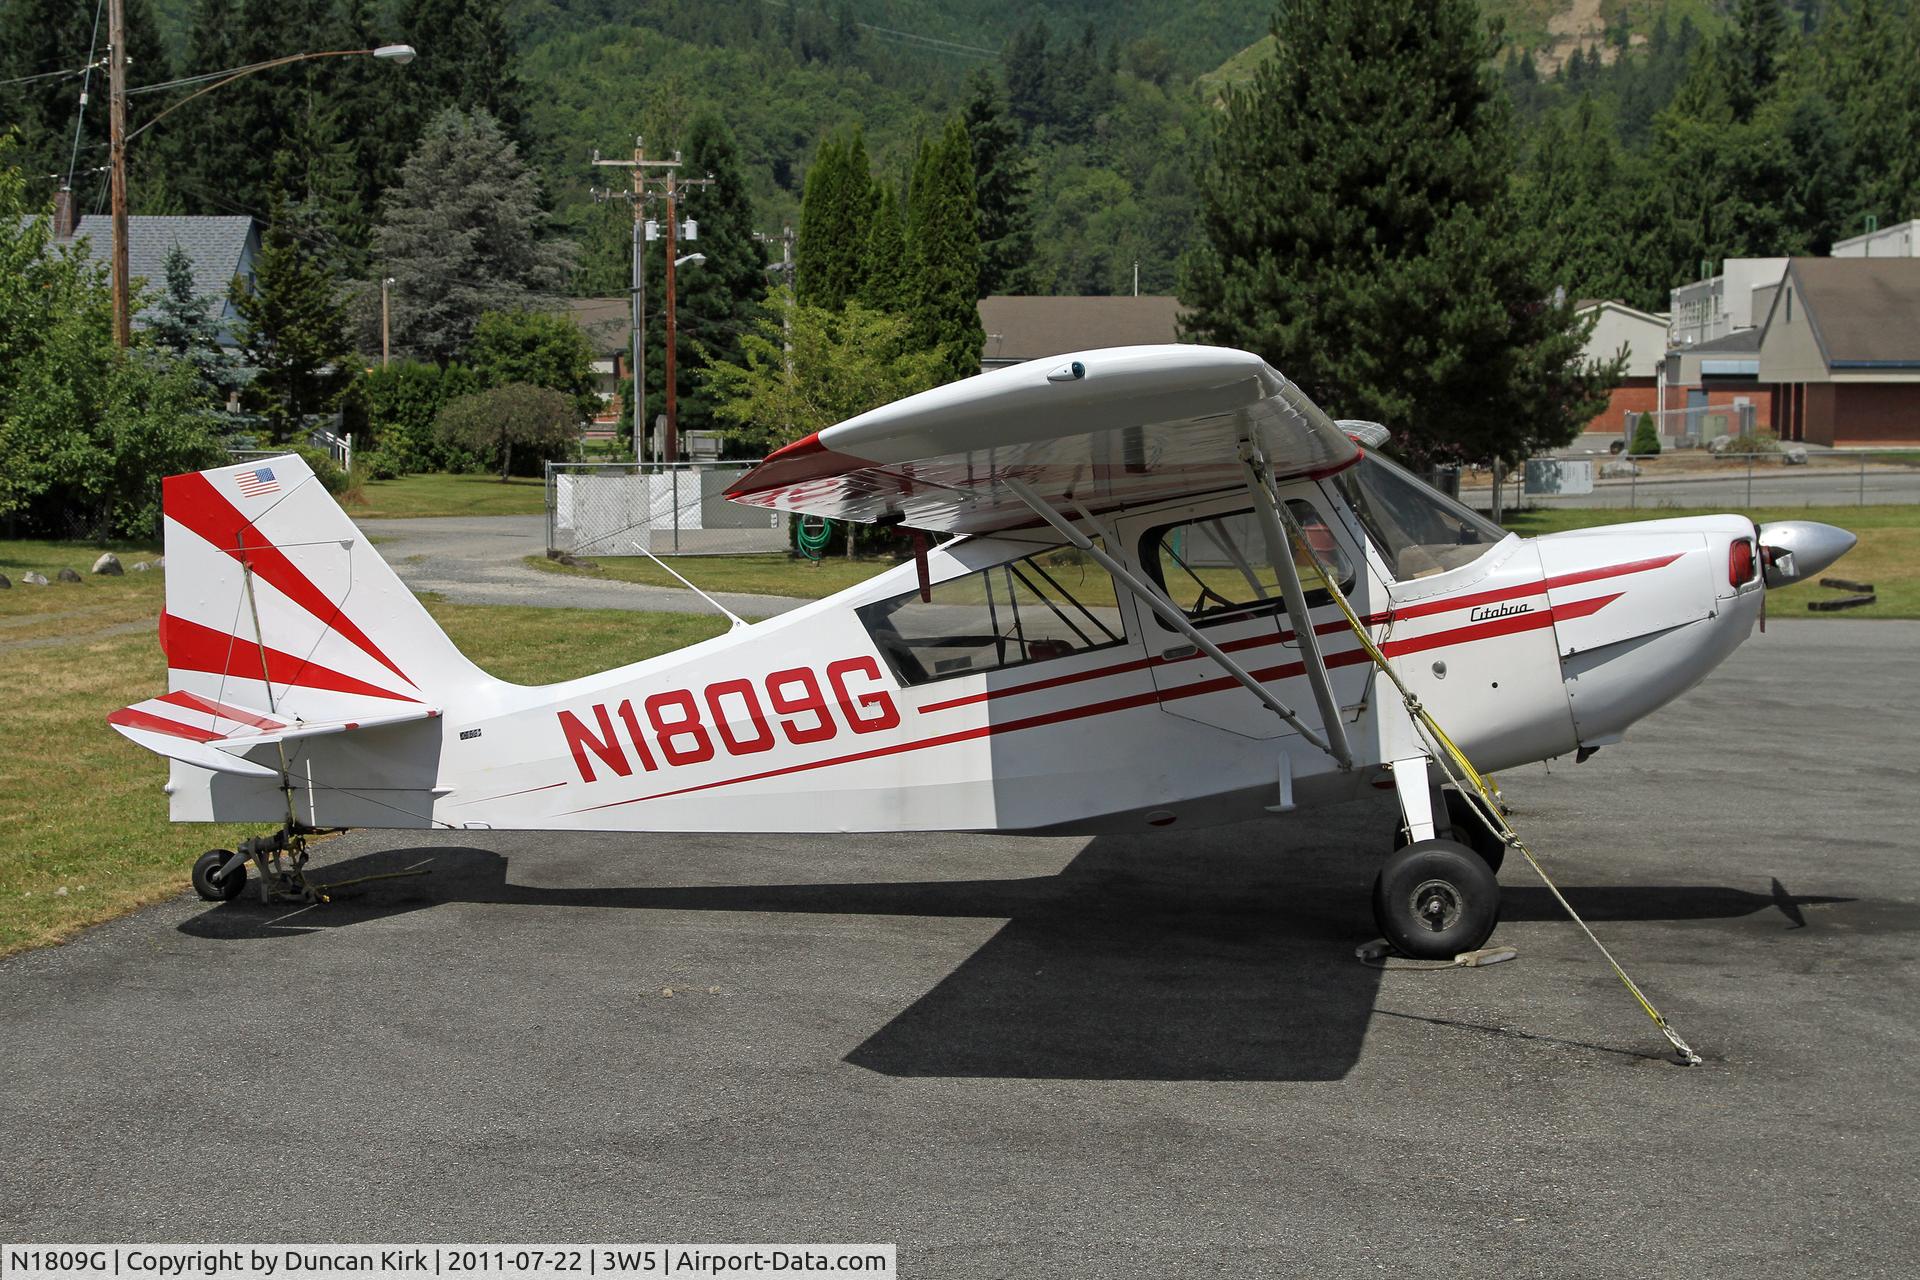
(1216, 567)
(1419, 530)
(1043, 606)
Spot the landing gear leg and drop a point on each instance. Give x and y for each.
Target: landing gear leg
(280, 861)
(1434, 898)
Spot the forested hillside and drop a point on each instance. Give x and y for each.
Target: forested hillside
(1110, 103)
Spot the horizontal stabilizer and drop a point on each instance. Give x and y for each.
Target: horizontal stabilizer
(215, 735)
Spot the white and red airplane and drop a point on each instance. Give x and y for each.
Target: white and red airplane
(1132, 628)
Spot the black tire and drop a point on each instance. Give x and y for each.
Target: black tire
(209, 884)
(1435, 899)
(1469, 829)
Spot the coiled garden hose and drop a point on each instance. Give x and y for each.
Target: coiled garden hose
(812, 541)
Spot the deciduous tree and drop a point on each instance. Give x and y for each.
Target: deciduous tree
(538, 421)
(806, 368)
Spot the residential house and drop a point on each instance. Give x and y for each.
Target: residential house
(1029, 327)
(220, 248)
(608, 324)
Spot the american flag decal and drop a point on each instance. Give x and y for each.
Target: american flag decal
(254, 484)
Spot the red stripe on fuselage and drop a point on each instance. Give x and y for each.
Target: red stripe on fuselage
(191, 501)
(1442, 639)
(189, 646)
(1421, 609)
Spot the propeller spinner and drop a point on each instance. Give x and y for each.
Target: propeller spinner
(1794, 550)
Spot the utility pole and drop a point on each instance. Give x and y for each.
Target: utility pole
(117, 130)
(642, 192)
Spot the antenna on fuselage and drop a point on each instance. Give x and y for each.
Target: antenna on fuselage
(737, 621)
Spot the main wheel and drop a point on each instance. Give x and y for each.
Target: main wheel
(210, 884)
(1469, 829)
(1435, 899)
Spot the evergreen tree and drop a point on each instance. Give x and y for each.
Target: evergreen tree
(1384, 269)
(38, 36)
(292, 329)
(835, 209)
(205, 149)
(181, 324)
(716, 300)
(1752, 54)
(1002, 183)
(1027, 66)
(1866, 69)
(1577, 193)
(462, 234)
(466, 62)
(887, 279)
(943, 239)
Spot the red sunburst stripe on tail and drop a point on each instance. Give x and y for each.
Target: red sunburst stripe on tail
(189, 646)
(195, 504)
(239, 715)
(129, 718)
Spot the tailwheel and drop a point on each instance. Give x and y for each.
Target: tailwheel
(1436, 899)
(1469, 829)
(210, 884)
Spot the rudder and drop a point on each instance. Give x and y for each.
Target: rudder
(275, 599)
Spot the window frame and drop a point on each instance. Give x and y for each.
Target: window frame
(1151, 539)
(1015, 566)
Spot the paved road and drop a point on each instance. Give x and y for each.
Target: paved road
(479, 560)
(1143, 1055)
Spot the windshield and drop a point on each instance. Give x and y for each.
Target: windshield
(1419, 530)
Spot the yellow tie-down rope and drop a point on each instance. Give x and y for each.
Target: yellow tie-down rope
(1450, 757)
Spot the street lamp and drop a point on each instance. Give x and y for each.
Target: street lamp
(386, 283)
(687, 258)
(398, 54)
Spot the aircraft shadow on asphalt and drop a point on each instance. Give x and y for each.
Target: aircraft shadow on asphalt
(1130, 963)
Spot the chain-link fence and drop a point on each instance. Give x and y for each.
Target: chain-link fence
(1792, 476)
(605, 508)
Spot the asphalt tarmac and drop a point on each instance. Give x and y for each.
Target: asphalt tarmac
(1147, 1055)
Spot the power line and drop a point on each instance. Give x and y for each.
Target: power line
(86, 83)
(51, 75)
(932, 44)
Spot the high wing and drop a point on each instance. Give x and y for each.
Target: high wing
(1119, 426)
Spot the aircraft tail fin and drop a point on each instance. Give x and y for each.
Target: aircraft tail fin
(275, 600)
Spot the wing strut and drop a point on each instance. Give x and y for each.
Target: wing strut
(1279, 551)
(1168, 613)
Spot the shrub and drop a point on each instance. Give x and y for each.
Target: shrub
(1646, 438)
(371, 464)
(400, 404)
(324, 467)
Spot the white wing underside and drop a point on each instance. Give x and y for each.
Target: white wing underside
(1104, 429)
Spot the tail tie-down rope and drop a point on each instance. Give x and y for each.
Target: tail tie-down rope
(1480, 793)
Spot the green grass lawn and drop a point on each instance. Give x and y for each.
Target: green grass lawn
(1888, 555)
(446, 495)
(81, 808)
(766, 575)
